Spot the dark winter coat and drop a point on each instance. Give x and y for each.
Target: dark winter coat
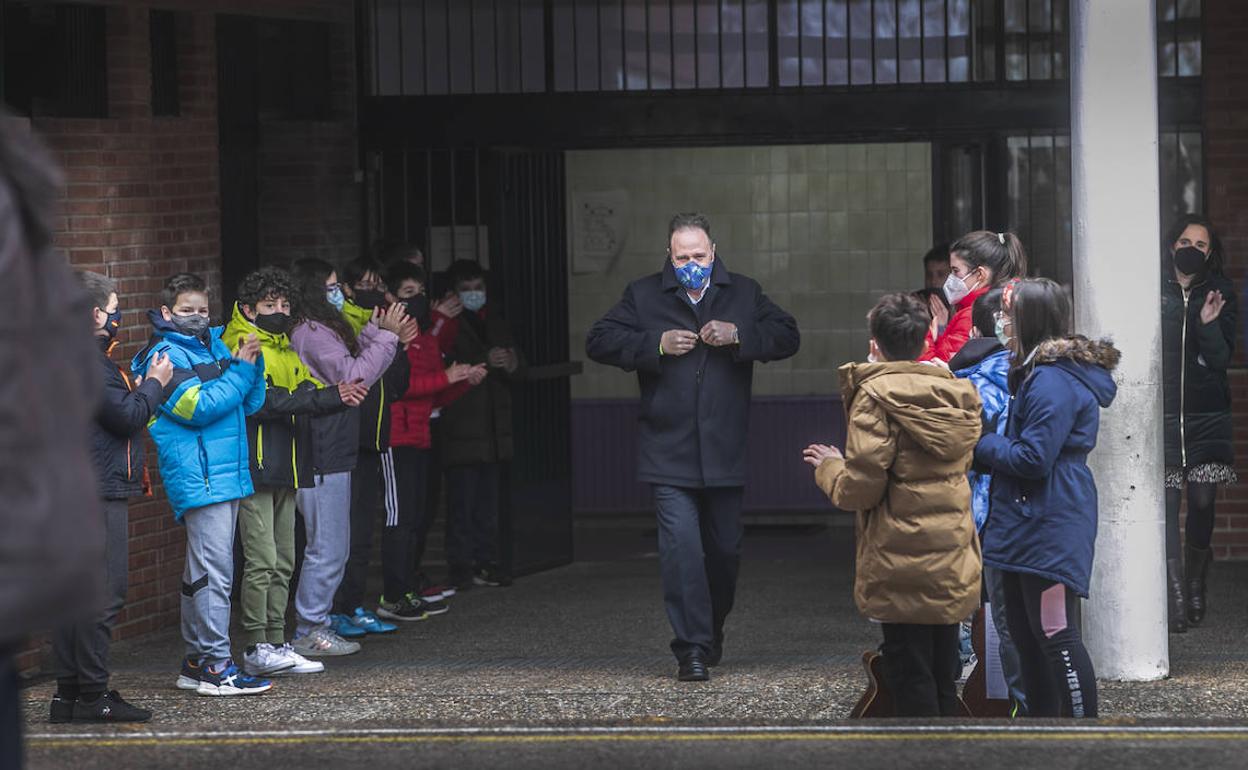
(117, 435)
(695, 408)
(1044, 509)
(1195, 357)
(375, 410)
(478, 427)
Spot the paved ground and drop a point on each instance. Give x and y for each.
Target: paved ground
(570, 667)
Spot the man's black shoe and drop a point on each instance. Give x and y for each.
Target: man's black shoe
(61, 711)
(693, 669)
(109, 707)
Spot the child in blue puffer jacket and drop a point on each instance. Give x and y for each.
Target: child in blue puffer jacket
(201, 439)
(985, 361)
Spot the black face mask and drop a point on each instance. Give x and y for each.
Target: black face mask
(368, 298)
(418, 307)
(1190, 260)
(273, 323)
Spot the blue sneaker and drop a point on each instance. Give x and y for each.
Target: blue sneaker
(370, 623)
(230, 681)
(342, 625)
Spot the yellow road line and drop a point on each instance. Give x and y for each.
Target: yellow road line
(884, 737)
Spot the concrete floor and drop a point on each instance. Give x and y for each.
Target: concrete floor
(571, 667)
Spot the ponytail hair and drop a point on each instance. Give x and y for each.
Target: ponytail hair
(1002, 253)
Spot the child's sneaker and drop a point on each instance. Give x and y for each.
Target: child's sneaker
(188, 679)
(404, 609)
(264, 660)
(299, 664)
(109, 707)
(342, 626)
(433, 592)
(323, 641)
(61, 711)
(430, 607)
(366, 620)
(229, 680)
(491, 575)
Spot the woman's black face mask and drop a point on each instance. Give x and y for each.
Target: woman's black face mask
(1190, 260)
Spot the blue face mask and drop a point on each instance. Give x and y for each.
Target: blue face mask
(473, 300)
(693, 276)
(335, 297)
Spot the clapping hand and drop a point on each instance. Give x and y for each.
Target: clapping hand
(817, 454)
(502, 358)
(450, 305)
(391, 319)
(249, 351)
(352, 393)
(1214, 302)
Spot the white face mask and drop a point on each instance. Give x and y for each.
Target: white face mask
(955, 289)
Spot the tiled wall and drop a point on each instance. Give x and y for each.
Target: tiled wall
(825, 229)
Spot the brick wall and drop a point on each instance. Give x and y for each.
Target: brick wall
(1226, 171)
(142, 202)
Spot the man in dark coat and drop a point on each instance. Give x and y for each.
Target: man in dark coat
(693, 333)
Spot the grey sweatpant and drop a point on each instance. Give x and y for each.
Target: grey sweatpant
(206, 581)
(326, 512)
(80, 650)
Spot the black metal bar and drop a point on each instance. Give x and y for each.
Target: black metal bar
(450, 65)
(450, 155)
(406, 212)
(376, 51)
(849, 43)
(428, 236)
(476, 196)
(697, 72)
(719, 38)
(999, 23)
(649, 64)
(773, 44)
(745, 47)
(548, 25)
(1027, 50)
(424, 45)
(623, 47)
(402, 60)
(823, 35)
(520, 41)
(498, 78)
(576, 52)
(598, 31)
(897, 35)
(801, 56)
(874, 75)
(1053, 59)
(472, 46)
(922, 41)
(945, 38)
(671, 43)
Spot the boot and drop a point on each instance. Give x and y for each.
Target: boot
(1175, 595)
(1198, 560)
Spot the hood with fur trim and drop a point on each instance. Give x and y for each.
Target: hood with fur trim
(1089, 361)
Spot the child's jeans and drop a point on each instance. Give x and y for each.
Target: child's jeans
(206, 581)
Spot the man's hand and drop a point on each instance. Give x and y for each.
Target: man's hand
(458, 373)
(161, 370)
(719, 333)
(678, 342)
(1214, 302)
(477, 374)
(249, 351)
(352, 393)
(449, 306)
(502, 358)
(816, 454)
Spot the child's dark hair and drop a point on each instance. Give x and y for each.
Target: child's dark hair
(1002, 253)
(1039, 311)
(98, 287)
(1214, 263)
(899, 324)
(179, 284)
(310, 303)
(984, 313)
(266, 283)
(354, 271)
(463, 270)
(401, 270)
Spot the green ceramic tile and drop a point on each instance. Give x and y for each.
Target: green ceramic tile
(779, 192)
(799, 198)
(856, 157)
(838, 158)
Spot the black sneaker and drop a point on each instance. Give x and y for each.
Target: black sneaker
(430, 607)
(61, 711)
(109, 707)
(403, 610)
(491, 575)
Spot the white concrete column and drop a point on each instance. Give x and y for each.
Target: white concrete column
(1117, 294)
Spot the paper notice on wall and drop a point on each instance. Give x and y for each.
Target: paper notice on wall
(600, 223)
(997, 689)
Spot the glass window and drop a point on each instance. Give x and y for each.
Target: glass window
(836, 52)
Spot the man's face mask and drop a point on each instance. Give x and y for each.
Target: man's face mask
(1190, 260)
(693, 276)
(112, 323)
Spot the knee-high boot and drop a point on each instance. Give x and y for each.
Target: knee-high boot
(1198, 560)
(1176, 596)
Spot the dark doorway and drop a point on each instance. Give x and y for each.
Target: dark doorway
(238, 132)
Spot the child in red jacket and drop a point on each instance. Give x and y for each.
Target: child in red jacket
(431, 385)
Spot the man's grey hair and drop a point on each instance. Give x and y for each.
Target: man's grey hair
(689, 221)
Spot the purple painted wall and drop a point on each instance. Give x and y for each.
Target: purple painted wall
(604, 454)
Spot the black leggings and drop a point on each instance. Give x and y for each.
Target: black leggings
(1200, 499)
(1044, 622)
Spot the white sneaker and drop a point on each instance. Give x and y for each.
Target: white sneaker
(324, 642)
(301, 664)
(265, 661)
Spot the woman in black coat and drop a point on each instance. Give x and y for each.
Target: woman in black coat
(1198, 316)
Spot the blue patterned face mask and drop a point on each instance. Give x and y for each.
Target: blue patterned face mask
(693, 276)
(335, 297)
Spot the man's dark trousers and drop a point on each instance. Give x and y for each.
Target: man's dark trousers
(700, 555)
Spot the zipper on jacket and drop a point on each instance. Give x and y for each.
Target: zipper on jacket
(381, 411)
(294, 466)
(1187, 295)
(203, 462)
(260, 446)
